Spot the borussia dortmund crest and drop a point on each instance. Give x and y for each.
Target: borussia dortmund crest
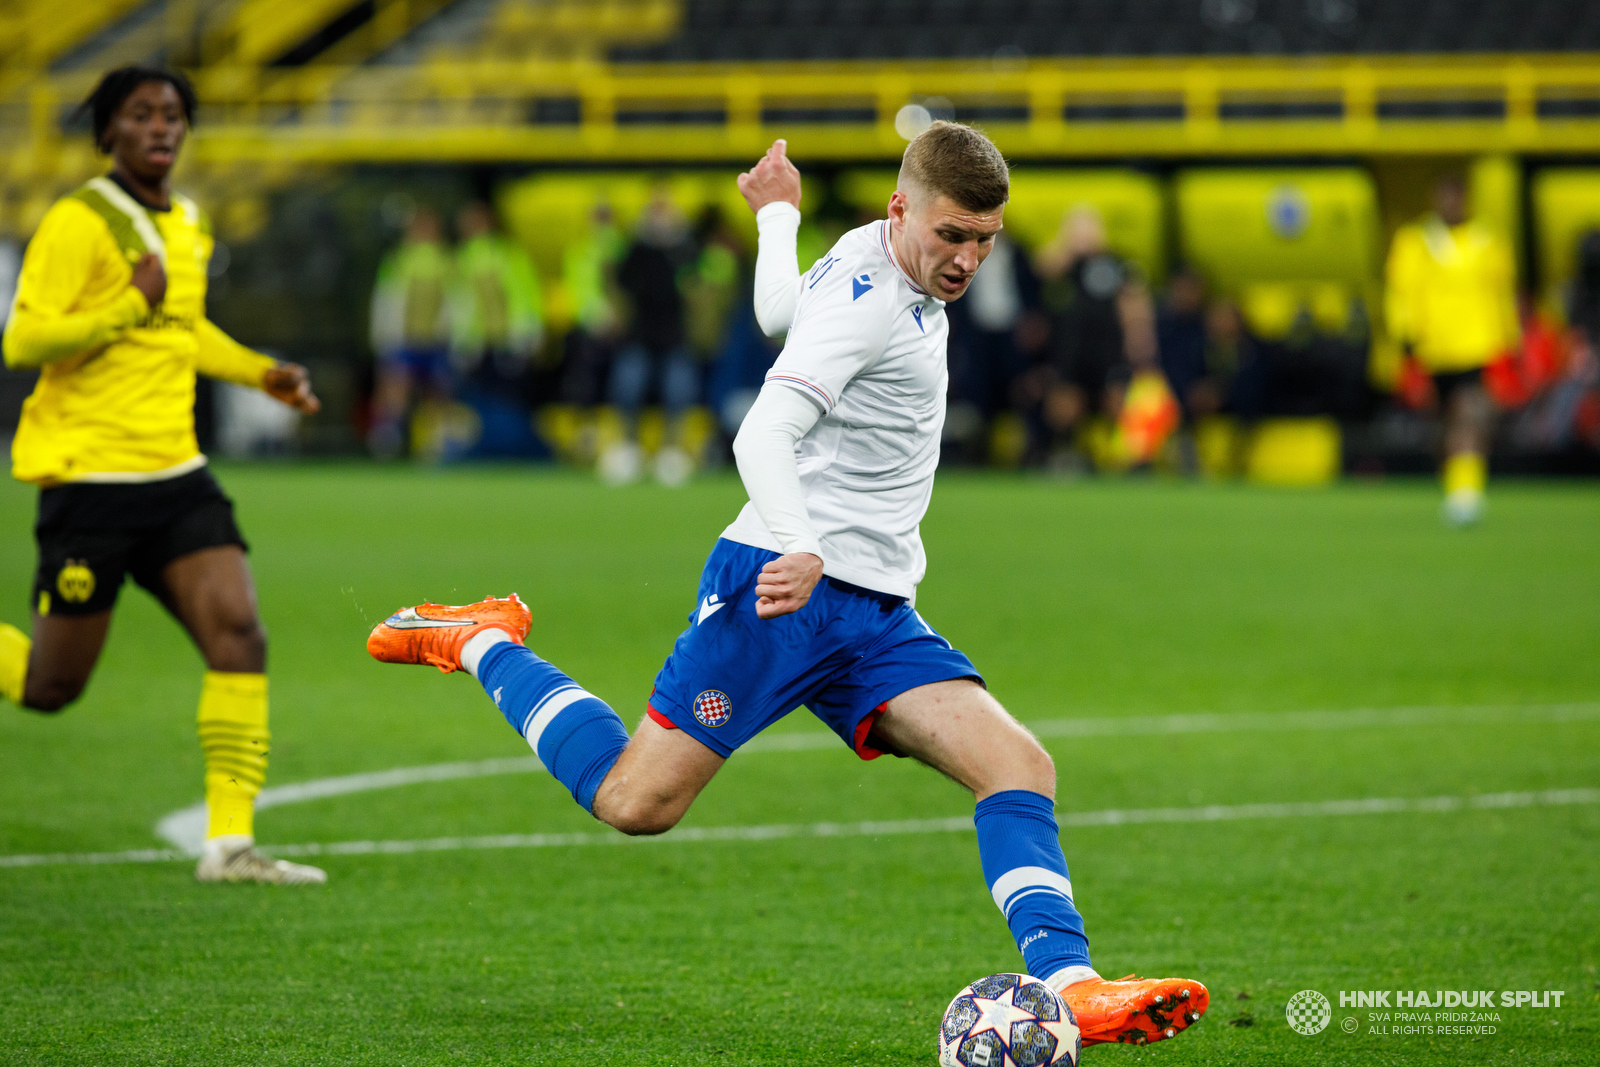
(75, 583)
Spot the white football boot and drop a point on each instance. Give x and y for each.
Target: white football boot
(233, 858)
(1463, 507)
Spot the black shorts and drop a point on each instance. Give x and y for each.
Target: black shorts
(92, 534)
(1447, 383)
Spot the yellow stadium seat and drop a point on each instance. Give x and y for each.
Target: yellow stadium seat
(546, 211)
(1280, 225)
(1294, 452)
(1566, 205)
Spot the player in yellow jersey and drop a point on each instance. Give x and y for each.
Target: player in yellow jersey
(1452, 303)
(110, 308)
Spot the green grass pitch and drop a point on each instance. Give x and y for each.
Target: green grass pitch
(1090, 600)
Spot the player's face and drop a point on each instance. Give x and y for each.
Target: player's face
(943, 243)
(147, 130)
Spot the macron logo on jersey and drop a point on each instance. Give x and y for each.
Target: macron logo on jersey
(710, 606)
(860, 285)
(916, 313)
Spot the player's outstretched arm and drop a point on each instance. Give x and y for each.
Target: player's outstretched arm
(221, 357)
(764, 451)
(772, 189)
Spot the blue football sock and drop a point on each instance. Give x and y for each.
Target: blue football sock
(1020, 847)
(575, 734)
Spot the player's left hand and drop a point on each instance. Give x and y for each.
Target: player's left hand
(288, 383)
(785, 584)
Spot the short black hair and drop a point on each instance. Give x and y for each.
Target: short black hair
(117, 85)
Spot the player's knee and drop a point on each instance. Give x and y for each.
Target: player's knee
(51, 694)
(1036, 768)
(642, 817)
(239, 644)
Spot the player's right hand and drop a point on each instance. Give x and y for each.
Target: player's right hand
(785, 584)
(772, 179)
(150, 279)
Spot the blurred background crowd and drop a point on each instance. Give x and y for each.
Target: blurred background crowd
(1246, 238)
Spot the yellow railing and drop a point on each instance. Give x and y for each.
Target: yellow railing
(35, 32)
(455, 109)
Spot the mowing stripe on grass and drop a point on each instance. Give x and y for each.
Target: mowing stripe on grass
(186, 827)
(954, 824)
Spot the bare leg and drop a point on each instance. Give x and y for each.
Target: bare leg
(1467, 422)
(65, 650)
(958, 729)
(213, 595)
(655, 780)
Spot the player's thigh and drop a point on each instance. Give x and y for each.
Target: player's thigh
(959, 729)
(655, 780)
(65, 650)
(212, 593)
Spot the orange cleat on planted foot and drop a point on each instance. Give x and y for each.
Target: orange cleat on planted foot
(434, 633)
(1135, 1010)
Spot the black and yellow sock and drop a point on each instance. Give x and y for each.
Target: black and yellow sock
(14, 648)
(233, 733)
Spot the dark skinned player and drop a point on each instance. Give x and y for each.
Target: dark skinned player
(110, 310)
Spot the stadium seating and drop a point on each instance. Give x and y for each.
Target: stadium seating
(900, 29)
(1566, 205)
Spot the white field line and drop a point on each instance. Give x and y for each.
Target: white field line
(954, 824)
(186, 827)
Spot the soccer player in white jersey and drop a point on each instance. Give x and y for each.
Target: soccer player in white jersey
(807, 596)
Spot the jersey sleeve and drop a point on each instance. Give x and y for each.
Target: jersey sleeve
(1400, 284)
(777, 284)
(841, 327)
(221, 357)
(61, 257)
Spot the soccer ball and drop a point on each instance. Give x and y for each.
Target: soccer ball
(1008, 1020)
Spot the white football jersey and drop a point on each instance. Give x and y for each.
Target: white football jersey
(868, 348)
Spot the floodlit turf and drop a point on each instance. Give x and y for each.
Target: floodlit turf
(1077, 600)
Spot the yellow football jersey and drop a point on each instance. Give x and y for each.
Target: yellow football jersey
(1451, 294)
(115, 398)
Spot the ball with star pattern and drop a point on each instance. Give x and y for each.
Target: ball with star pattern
(1008, 1020)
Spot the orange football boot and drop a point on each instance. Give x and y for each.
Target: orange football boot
(1135, 1010)
(434, 633)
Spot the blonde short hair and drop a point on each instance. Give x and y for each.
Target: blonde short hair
(949, 159)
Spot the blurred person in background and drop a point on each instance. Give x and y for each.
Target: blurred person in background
(111, 310)
(10, 267)
(1575, 398)
(588, 275)
(410, 329)
(710, 283)
(988, 333)
(1452, 305)
(1181, 334)
(497, 324)
(1102, 331)
(1230, 380)
(655, 356)
(1181, 344)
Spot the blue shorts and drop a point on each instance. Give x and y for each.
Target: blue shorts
(429, 367)
(843, 655)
